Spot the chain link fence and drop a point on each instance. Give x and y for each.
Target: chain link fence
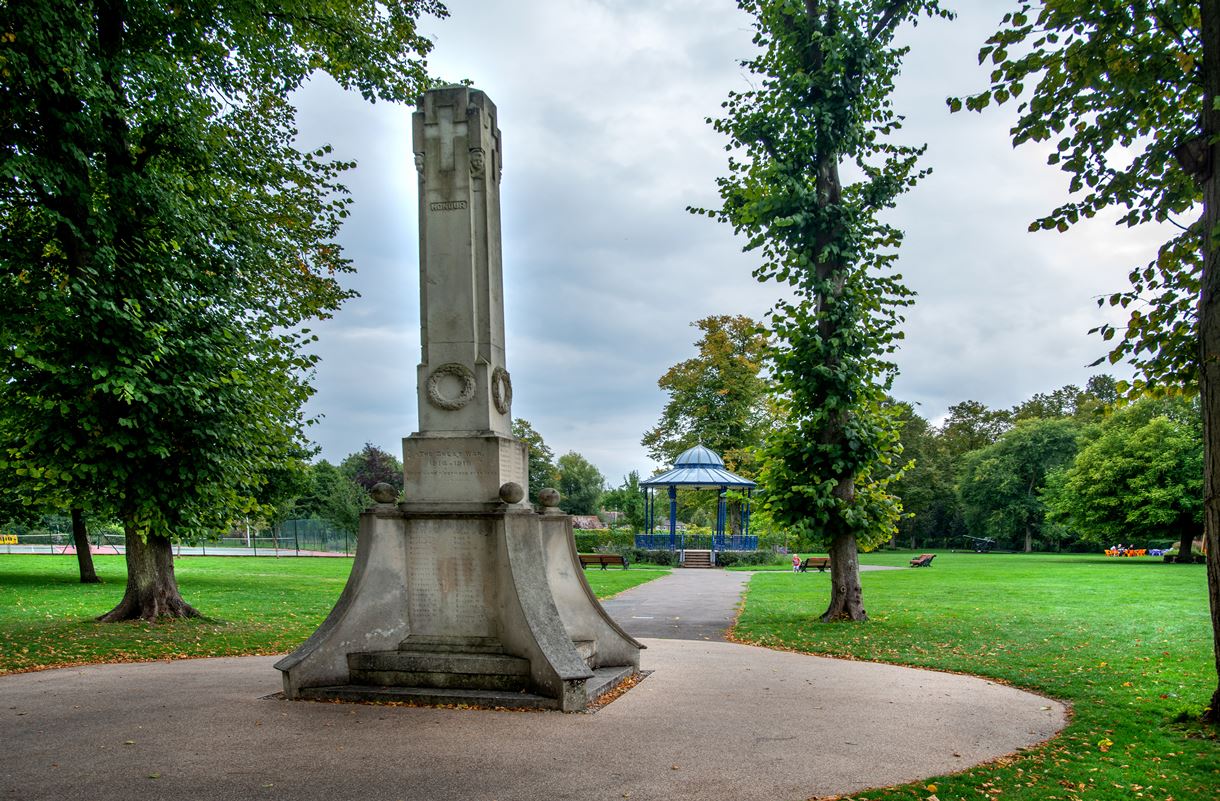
(306, 537)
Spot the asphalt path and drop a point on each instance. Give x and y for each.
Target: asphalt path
(713, 720)
(685, 605)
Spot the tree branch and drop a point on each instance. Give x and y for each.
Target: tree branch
(891, 15)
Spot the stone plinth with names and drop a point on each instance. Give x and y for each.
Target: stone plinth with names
(462, 593)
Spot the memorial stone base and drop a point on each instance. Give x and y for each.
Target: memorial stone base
(486, 605)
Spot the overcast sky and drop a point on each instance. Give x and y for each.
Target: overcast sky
(602, 108)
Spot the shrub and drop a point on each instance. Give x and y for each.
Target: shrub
(603, 540)
(647, 556)
(731, 558)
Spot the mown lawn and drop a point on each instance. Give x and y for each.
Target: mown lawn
(1126, 641)
(254, 605)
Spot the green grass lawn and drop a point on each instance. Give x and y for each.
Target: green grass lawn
(254, 605)
(1126, 641)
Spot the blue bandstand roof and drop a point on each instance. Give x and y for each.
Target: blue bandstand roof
(701, 468)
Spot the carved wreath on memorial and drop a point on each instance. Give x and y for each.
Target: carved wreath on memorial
(501, 390)
(459, 371)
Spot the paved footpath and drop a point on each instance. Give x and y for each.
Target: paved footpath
(714, 720)
(685, 605)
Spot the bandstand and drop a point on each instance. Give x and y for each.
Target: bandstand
(698, 468)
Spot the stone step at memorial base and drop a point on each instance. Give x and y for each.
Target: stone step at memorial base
(606, 679)
(603, 681)
(587, 650)
(430, 696)
(699, 559)
(440, 670)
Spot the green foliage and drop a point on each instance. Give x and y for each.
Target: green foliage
(824, 74)
(541, 459)
(628, 499)
(332, 496)
(640, 556)
(580, 485)
(1125, 642)
(602, 540)
(926, 484)
(1119, 94)
(749, 558)
(1001, 484)
(371, 465)
(717, 399)
(163, 242)
(1139, 479)
(970, 425)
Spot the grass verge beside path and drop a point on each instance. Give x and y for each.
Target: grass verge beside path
(1126, 642)
(255, 605)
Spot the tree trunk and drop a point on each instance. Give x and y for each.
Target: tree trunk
(1029, 540)
(1209, 326)
(1186, 544)
(84, 555)
(152, 592)
(846, 597)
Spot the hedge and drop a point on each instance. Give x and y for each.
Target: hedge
(730, 558)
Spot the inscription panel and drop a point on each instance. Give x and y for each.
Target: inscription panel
(448, 205)
(448, 584)
(463, 469)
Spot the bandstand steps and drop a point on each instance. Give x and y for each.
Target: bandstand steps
(698, 559)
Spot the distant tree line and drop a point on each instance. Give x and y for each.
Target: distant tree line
(1070, 469)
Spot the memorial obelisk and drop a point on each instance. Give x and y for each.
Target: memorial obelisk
(462, 593)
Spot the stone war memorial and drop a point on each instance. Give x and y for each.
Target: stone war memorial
(462, 593)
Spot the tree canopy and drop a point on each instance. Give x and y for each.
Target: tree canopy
(1001, 484)
(719, 398)
(541, 458)
(823, 76)
(1139, 476)
(580, 485)
(163, 245)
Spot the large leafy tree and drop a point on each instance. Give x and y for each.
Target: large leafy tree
(1139, 477)
(162, 243)
(926, 483)
(581, 484)
(628, 499)
(719, 398)
(541, 458)
(824, 74)
(1001, 484)
(370, 466)
(1128, 94)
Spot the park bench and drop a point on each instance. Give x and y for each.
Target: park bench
(820, 562)
(923, 560)
(602, 559)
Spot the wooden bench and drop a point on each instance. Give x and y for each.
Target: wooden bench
(602, 559)
(923, 560)
(820, 562)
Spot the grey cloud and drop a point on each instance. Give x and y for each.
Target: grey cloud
(602, 105)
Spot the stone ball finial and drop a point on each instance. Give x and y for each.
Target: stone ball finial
(549, 497)
(383, 492)
(511, 492)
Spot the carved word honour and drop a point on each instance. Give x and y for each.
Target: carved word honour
(448, 205)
